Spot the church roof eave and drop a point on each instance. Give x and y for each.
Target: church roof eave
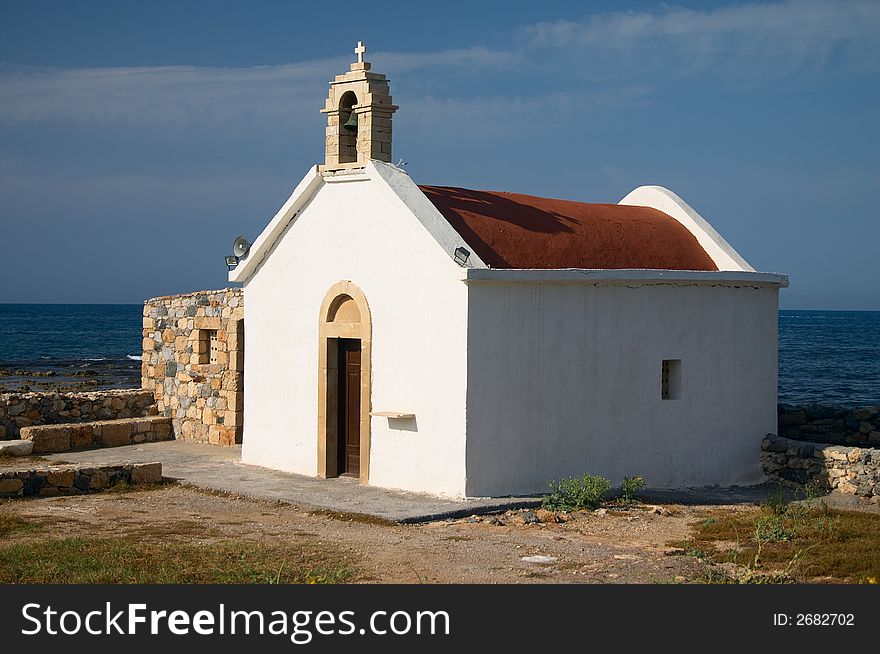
(628, 277)
(389, 177)
(303, 192)
(662, 199)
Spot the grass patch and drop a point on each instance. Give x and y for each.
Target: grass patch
(803, 541)
(361, 518)
(630, 489)
(21, 461)
(576, 493)
(124, 487)
(122, 560)
(10, 524)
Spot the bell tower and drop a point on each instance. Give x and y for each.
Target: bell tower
(359, 111)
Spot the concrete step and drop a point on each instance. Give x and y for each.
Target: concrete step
(103, 433)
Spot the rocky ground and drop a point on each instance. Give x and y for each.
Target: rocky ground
(605, 546)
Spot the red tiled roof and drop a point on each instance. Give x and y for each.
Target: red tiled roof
(510, 230)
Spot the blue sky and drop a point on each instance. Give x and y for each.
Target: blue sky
(138, 138)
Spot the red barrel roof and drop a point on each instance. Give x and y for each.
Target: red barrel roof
(510, 230)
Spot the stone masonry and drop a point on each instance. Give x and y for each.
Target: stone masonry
(193, 363)
(851, 470)
(18, 410)
(830, 424)
(365, 95)
(102, 433)
(75, 479)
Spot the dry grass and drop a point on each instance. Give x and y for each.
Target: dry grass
(130, 561)
(10, 524)
(21, 461)
(361, 518)
(124, 487)
(803, 541)
(182, 551)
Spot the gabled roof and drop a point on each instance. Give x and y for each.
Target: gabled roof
(511, 230)
(652, 235)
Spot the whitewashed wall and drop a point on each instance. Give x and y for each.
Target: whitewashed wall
(359, 231)
(565, 380)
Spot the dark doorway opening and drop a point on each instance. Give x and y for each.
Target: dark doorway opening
(348, 439)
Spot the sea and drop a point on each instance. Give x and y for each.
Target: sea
(70, 347)
(826, 357)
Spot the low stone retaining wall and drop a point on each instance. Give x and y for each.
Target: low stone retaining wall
(830, 424)
(106, 433)
(852, 470)
(74, 479)
(19, 410)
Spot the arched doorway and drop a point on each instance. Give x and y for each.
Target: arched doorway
(344, 345)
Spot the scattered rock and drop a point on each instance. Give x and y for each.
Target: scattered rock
(539, 559)
(544, 515)
(600, 511)
(16, 448)
(627, 557)
(146, 473)
(529, 518)
(10, 486)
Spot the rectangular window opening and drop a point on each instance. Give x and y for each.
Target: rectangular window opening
(670, 379)
(213, 345)
(207, 346)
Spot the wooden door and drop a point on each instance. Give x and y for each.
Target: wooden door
(349, 437)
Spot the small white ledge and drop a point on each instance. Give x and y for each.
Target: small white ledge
(396, 415)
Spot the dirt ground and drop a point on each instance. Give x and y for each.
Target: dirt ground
(607, 546)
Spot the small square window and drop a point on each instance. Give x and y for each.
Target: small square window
(213, 345)
(670, 379)
(206, 346)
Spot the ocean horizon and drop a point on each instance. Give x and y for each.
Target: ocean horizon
(825, 357)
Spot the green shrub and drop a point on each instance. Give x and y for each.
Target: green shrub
(776, 504)
(772, 528)
(572, 493)
(630, 488)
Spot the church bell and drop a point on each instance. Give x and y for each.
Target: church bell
(352, 124)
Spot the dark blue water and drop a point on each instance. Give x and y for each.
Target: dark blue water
(70, 346)
(830, 357)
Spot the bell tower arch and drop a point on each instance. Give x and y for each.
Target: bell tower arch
(359, 111)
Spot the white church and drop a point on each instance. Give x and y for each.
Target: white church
(473, 343)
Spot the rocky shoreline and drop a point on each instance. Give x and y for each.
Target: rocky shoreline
(67, 378)
(830, 424)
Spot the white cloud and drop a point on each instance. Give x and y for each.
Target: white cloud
(167, 94)
(207, 96)
(490, 117)
(609, 57)
(465, 59)
(768, 39)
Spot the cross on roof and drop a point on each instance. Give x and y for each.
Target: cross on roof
(359, 51)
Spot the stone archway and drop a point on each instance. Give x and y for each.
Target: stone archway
(344, 318)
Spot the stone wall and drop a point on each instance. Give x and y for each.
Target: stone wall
(829, 424)
(19, 410)
(75, 479)
(852, 470)
(107, 433)
(193, 363)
